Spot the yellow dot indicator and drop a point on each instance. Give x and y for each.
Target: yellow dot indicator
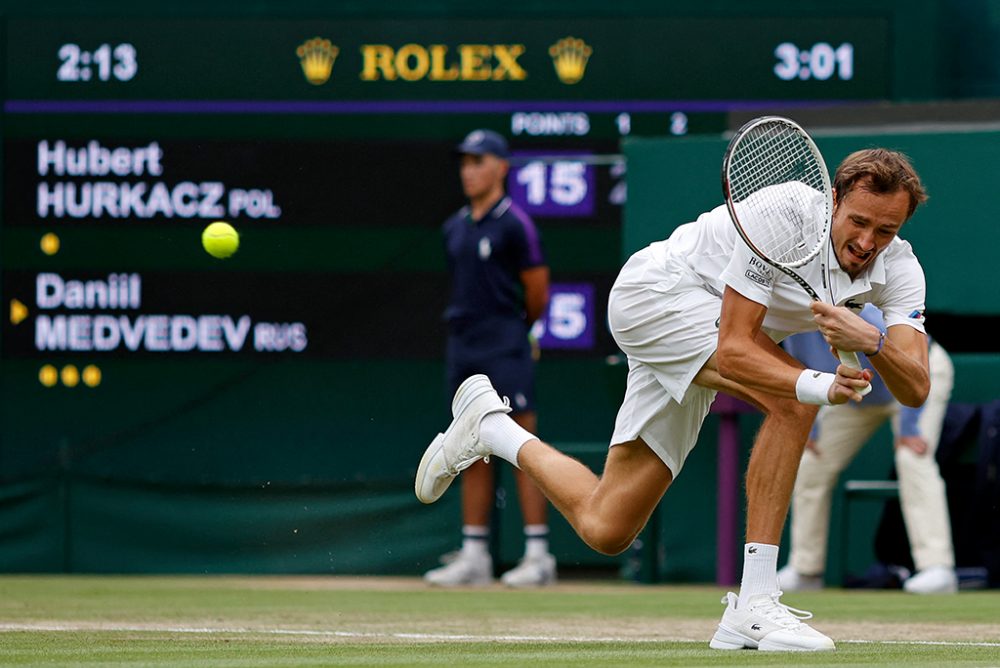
(91, 375)
(70, 375)
(49, 244)
(48, 376)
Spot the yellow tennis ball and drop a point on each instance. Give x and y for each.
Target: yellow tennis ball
(220, 239)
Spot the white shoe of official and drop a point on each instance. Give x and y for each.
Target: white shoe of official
(465, 570)
(933, 580)
(765, 623)
(790, 579)
(459, 446)
(530, 572)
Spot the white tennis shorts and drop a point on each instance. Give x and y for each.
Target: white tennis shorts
(666, 322)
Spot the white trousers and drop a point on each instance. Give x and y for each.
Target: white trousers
(843, 430)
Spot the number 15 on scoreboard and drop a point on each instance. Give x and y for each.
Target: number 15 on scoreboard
(546, 185)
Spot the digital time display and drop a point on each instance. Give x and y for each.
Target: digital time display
(821, 61)
(105, 63)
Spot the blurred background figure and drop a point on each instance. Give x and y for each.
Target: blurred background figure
(838, 434)
(500, 286)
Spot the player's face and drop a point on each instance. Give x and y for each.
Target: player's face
(864, 224)
(482, 175)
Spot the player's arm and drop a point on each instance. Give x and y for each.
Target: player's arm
(901, 361)
(536, 291)
(747, 356)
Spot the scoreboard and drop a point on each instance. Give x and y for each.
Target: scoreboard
(327, 143)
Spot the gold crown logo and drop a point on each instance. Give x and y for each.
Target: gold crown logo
(316, 56)
(570, 56)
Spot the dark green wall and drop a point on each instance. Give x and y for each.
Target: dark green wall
(671, 183)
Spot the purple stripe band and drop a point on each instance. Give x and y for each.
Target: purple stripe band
(394, 106)
(531, 234)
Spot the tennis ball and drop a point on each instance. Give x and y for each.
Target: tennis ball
(220, 239)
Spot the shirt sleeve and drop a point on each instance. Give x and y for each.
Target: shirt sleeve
(749, 275)
(902, 299)
(527, 241)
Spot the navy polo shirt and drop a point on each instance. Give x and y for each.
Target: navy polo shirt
(485, 258)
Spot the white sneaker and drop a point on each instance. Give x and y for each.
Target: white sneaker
(765, 623)
(532, 572)
(790, 579)
(465, 570)
(458, 447)
(933, 580)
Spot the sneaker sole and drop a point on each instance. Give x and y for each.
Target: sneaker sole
(429, 493)
(486, 582)
(727, 639)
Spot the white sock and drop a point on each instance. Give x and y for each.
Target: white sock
(760, 571)
(536, 541)
(475, 541)
(504, 436)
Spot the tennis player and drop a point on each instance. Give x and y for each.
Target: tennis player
(699, 313)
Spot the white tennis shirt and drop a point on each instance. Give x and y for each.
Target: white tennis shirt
(711, 249)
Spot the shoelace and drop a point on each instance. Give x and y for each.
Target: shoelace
(783, 615)
(469, 456)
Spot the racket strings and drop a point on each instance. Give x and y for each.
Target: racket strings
(777, 186)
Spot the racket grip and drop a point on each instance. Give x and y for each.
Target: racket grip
(851, 359)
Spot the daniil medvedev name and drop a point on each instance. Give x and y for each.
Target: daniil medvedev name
(105, 332)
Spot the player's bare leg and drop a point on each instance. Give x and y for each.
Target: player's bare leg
(756, 618)
(606, 512)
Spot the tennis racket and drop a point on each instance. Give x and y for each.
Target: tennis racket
(780, 199)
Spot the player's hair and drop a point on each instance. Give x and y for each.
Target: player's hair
(879, 170)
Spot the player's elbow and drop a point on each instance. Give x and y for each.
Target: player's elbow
(915, 394)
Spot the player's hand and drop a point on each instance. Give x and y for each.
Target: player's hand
(843, 329)
(915, 443)
(847, 384)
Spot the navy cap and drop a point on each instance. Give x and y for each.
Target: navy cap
(481, 142)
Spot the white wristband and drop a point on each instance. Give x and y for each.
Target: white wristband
(813, 387)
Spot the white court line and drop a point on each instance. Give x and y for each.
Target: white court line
(422, 636)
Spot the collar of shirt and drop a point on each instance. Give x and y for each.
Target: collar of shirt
(498, 209)
(842, 287)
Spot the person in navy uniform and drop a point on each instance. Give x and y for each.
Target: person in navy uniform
(500, 286)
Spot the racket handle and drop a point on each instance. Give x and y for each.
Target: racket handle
(851, 359)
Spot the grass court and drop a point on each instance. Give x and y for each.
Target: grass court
(339, 621)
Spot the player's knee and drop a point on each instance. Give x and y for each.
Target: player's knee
(607, 539)
(791, 410)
